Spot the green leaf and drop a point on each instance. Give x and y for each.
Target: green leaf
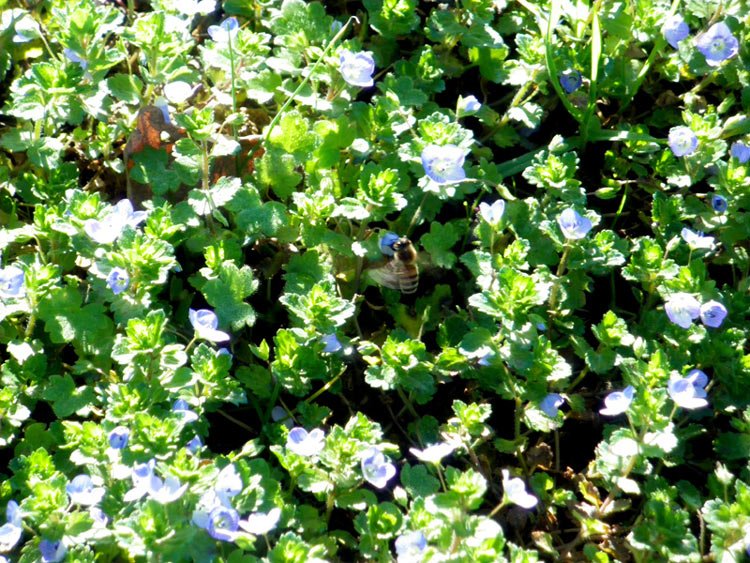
(66, 398)
(227, 289)
(418, 482)
(438, 243)
(125, 87)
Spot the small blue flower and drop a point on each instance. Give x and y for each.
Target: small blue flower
(260, 523)
(376, 468)
(76, 58)
(304, 443)
(682, 141)
(740, 151)
(618, 402)
(571, 80)
(163, 105)
(182, 408)
(492, 213)
(713, 314)
(409, 547)
(467, 106)
(52, 551)
(205, 323)
(194, 445)
(717, 44)
(228, 484)
(224, 32)
(357, 68)
(515, 490)
(12, 283)
(573, 225)
(444, 164)
(118, 280)
(551, 403)
(141, 474)
(434, 453)
(119, 437)
(223, 522)
(332, 343)
(11, 531)
(682, 309)
(697, 240)
(99, 517)
(689, 392)
(719, 203)
(386, 242)
(81, 490)
(166, 491)
(675, 30)
(109, 228)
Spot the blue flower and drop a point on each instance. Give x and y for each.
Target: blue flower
(194, 444)
(618, 402)
(740, 151)
(689, 392)
(99, 517)
(12, 282)
(573, 225)
(434, 453)
(717, 44)
(119, 437)
(713, 314)
(305, 444)
(109, 228)
(492, 213)
(224, 32)
(332, 343)
(204, 323)
(260, 523)
(682, 141)
(223, 522)
(551, 403)
(719, 203)
(76, 58)
(118, 280)
(675, 30)
(444, 164)
(467, 106)
(682, 309)
(11, 531)
(166, 491)
(571, 80)
(386, 242)
(81, 490)
(515, 490)
(228, 484)
(409, 547)
(357, 68)
(376, 468)
(181, 408)
(52, 551)
(141, 474)
(697, 240)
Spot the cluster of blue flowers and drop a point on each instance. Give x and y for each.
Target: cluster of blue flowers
(683, 308)
(717, 44)
(688, 392)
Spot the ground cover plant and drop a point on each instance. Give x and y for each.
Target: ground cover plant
(372, 281)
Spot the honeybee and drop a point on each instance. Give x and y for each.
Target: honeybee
(401, 271)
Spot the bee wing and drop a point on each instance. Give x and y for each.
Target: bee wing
(396, 275)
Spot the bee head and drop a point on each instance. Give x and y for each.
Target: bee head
(404, 249)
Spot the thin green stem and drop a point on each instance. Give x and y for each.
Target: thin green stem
(306, 79)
